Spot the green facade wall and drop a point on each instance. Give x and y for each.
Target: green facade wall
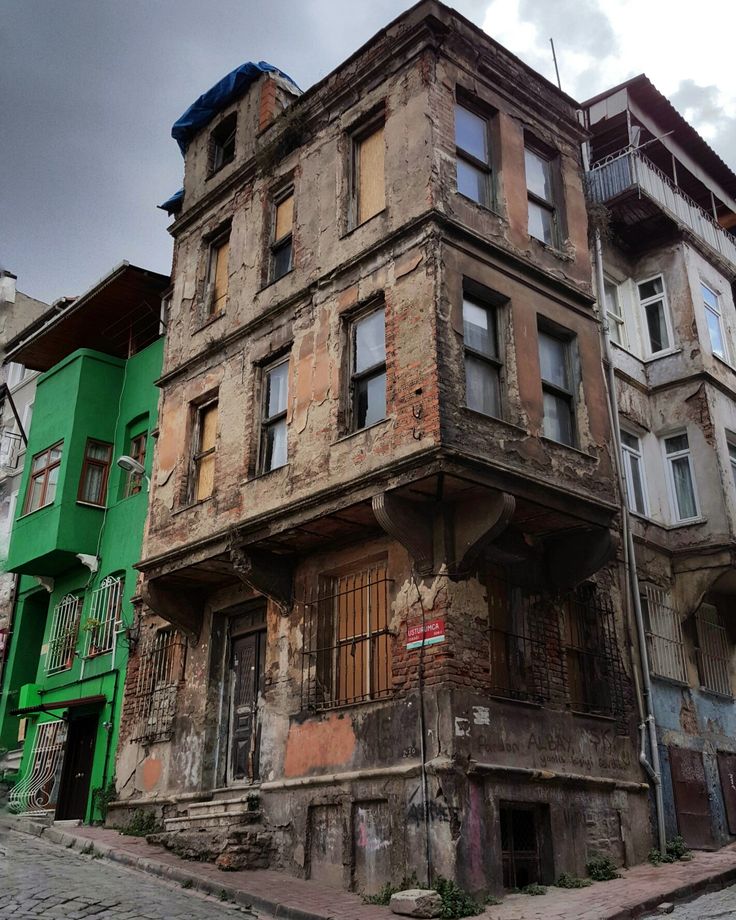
(87, 395)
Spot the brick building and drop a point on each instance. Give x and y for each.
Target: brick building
(380, 624)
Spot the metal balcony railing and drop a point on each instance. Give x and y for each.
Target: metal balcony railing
(629, 169)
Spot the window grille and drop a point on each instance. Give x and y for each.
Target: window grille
(162, 656)
(554, 649)
(347, 644)
(10, 446)
(714, 651)
(36, 792)
(104, 618)
(64, 632)
(666, 647)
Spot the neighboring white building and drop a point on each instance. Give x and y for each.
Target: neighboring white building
(17, 311)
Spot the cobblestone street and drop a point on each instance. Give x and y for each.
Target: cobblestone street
(41, 880)
(717, 905)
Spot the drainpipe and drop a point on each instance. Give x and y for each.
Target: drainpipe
(648, 724)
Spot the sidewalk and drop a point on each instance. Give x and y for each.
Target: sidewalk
(639, 891)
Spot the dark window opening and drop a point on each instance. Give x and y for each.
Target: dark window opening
(525, 845)
(222, 143)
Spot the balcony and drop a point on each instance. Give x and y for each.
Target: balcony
(627, 174)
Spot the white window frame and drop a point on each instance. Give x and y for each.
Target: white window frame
(627, 452)
(671, 488)
(615, 318)
(731, 448)
(718, 313)
(644, 325)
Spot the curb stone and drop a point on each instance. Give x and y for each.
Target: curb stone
(163, 870)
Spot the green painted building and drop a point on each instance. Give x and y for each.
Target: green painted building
(76, 537)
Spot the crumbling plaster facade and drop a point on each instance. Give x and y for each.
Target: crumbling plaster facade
(437, 493)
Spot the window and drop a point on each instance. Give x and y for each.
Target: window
(664, 636)
(281, 247)
(714, 319)
(680, 473)
(63, 636)
(472, 150)
(614, 314)
(589, 640)
(44, 478)
(217, 277)
(368, 377)
(653, 303)
(104, 618)
(347, 642)
(203, 456)
(482, 364)
(368, 186)
(732, 456)
(714, 651)
(137, 451)
(153, 696)
(95, 473)
(273, 452)
(557, 389)
(633, 472)
(541, 197)
(222, 143)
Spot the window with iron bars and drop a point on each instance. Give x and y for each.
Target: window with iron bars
(556, 649)
(714, 651)
(64, 632)
(161, 661)
(664, 636)
(103, 621)
(347, 643)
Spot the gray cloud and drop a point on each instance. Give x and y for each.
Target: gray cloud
(571, 23)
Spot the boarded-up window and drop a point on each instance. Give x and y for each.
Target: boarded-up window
(347, 643)
(203, 459)
(369, 187)
(217, 275)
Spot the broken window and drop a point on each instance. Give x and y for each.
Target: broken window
(633, 472)
(222, 143)
(540, 187)
(368, 183)
(473, 155)
(654, 305)
(273, 451)
(281, 246)
(44, 478)
(664, 636)
(347, 650)
(95, 472)
(714, 317)
(137, 451)
(714, 651)
(203, 455)
(482, 362)
(217, 277)
(368, 369)
(680, 478)
(555, 364)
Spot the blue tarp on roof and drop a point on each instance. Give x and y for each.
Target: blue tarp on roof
(221, 95)
(174, 203)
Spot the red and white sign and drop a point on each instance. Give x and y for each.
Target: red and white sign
(428, 633)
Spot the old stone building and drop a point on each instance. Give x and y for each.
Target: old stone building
(669, 263)
(380, 628)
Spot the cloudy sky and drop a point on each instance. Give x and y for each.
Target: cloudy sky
(90, 89)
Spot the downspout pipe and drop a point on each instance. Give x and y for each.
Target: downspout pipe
(649, 725)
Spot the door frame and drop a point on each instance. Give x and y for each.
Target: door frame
(93, 718)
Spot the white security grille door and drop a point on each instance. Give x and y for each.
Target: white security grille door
(36, 792)
(64, 631)
(666, 648)
(104, 616)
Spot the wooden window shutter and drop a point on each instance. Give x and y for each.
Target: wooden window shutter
(207, 435)
(284, 217)
(371, 185)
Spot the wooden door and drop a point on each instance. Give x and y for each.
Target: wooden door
(247, 655)
(692, 800)
(77, 770)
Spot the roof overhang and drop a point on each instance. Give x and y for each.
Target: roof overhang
(118, 315)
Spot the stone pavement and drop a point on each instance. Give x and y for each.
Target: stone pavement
(717, 905)
(40, 881)
(639, 891)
